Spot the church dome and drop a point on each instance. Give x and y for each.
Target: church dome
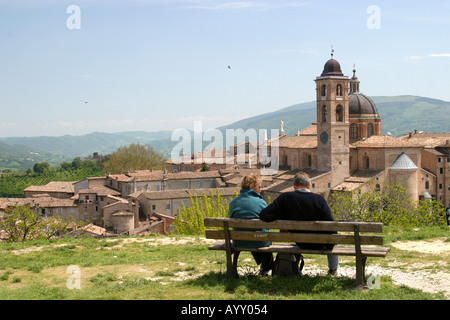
(361, 106)
(332, 68)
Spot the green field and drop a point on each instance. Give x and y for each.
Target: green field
(182, 268)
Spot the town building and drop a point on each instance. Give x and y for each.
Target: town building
(343, 150)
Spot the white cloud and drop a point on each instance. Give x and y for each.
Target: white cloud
(431, 55)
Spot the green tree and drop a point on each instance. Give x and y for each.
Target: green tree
(77, 163)
(133, 157)
(41, 167)
(24, 223)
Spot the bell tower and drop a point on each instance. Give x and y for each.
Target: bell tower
(332, 94)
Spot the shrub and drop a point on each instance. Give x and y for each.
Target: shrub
(391, 206)
(189, 220)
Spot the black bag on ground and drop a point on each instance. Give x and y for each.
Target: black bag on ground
(286, 264)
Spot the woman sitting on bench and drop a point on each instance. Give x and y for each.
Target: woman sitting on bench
(248, 205)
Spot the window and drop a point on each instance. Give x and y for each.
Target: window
(439, 159)
(153, 207)
(353, 132)
(427, 185)
(369, 130)
(324, 90)
(339, 114)
(441, 170)
(339, 90)
(324, 113)
(285, 160)
(309, 160)
(168, 206)
(366, 163)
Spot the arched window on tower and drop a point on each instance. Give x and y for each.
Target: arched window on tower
(369, 130)
(353, 132)
(339, 90)
(324, 113)
(339, 113)
(324, 90)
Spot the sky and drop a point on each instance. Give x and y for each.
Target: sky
(75, 67)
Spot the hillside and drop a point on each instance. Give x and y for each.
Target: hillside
(399, 114)
(24, 152)
(24, 157)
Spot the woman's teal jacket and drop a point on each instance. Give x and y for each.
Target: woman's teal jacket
(247, 205)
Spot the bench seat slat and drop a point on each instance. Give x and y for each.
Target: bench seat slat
(292, 248)
(296, 225)
(294, 237)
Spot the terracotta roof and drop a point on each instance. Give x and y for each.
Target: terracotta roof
(40, 202)
(54, 186)
(311, 130)
(356, 180)
(427, 139)
(283, 181)
(416, 140)
(298, 142)
(100, 191)
(184, 193)
(289, 175)
(160, 175)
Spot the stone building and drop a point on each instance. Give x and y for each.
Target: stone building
(344, 150)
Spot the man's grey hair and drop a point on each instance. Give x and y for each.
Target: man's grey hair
(302, 179)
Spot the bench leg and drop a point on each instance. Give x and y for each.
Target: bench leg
(361, 272)
(232, 256)
(235, 261)
(360, 262)
(232, 259)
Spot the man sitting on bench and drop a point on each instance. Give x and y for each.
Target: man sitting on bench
(302, 205)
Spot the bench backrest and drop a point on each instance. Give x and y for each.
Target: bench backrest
(351, 231)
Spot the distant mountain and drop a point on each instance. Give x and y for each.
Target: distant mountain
(24, 152)
(23, 157)
(399, 115)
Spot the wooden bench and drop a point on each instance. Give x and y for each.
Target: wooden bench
(347, 238)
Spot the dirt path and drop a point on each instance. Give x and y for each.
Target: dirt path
(427, 276)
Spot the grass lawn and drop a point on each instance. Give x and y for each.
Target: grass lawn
(182, 268)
